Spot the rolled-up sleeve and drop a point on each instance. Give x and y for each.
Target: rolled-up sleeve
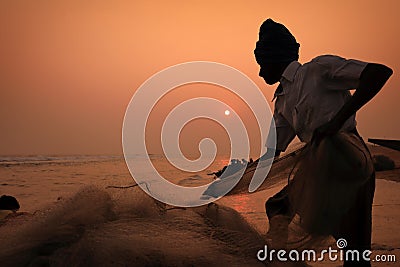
(341, 73)
(284, 133)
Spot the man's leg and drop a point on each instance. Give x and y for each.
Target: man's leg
(277, 208)
(356, 225)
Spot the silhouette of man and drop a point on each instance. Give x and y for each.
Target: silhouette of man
(313, 102)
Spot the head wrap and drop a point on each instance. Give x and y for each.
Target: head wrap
(275, 44)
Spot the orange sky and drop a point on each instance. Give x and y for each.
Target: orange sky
(69, 68)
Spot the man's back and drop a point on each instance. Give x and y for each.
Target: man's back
(313, 93)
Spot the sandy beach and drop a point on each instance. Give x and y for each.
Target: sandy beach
(90, 225)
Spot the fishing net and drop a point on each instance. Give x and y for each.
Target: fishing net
(327, 180)
(128, 228)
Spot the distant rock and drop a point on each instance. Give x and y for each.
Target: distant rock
(383, 163)
(8, 203)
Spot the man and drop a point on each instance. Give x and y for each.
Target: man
(313, 102)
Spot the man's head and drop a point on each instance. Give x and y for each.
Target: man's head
(275, 49)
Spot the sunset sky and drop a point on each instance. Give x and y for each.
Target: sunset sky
(69, 68)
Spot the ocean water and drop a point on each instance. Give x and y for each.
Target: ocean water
(70, 216)
(39, 181)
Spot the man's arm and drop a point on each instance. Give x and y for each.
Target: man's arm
(372, 79)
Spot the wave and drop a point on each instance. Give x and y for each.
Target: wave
(39, 160)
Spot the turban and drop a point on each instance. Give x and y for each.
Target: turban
(275, 44)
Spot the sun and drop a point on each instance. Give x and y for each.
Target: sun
(227, 112)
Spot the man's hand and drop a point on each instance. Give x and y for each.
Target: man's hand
(328, 129)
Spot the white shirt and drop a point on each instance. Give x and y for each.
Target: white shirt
(311, 96)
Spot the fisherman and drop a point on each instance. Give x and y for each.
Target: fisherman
(313, 102)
